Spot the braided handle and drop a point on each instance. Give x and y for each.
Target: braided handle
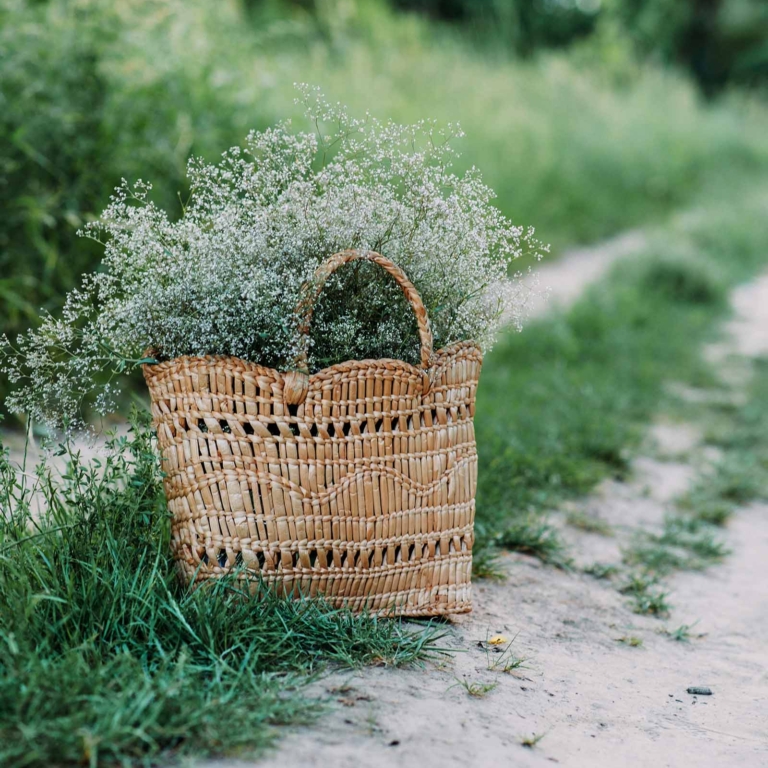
(296, 381)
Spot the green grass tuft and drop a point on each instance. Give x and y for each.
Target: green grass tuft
(682, 634)
(486, 563)
(647, 597)
(740, 477)
(477, 690)
(534, 536)
(588, 523)
(601, 570)
(685, 543)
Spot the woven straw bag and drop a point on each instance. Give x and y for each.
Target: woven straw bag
(356, 483)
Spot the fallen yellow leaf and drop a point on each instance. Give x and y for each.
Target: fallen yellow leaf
(497, 640)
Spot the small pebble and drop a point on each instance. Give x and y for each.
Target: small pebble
(697, 691)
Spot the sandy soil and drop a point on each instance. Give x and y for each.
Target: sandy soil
(596, 701)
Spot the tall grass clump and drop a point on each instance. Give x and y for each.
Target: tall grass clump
(106, 658)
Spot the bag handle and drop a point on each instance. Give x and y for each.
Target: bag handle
(297, 380)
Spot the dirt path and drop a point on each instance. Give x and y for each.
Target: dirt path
(596, 701)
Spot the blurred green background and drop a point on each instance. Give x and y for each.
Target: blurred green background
(586, 116)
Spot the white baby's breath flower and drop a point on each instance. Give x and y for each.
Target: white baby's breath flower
(225, 277)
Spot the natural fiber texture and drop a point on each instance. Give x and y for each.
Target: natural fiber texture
(356, 483)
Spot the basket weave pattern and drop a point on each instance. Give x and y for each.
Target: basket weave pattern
(356, 483)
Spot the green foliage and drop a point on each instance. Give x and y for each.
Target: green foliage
(734, 481)
(588, 523)
(685, 543)
(486, 563)
(52, 97)
(687, 279)
(524, 26)
(475, 689)
(228, 277)
(107, 659)
(91, 92)
(501, 659)
(682, 634)
(647, 597)
(719, 42)
(533, 535)
(601, 570)
(740, 475)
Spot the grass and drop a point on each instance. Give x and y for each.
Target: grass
(588, 523)
(647, 598)
(534, 536)
(107, 659)
(509, 664)
(682, 634)
(651, 603)
(601, 570)
(586, 382)
(501, 659)
(477, 690)
(689, 539)
(740, 475)
(685, 543)
(486, 563)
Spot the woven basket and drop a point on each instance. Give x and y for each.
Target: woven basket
(356, 483)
